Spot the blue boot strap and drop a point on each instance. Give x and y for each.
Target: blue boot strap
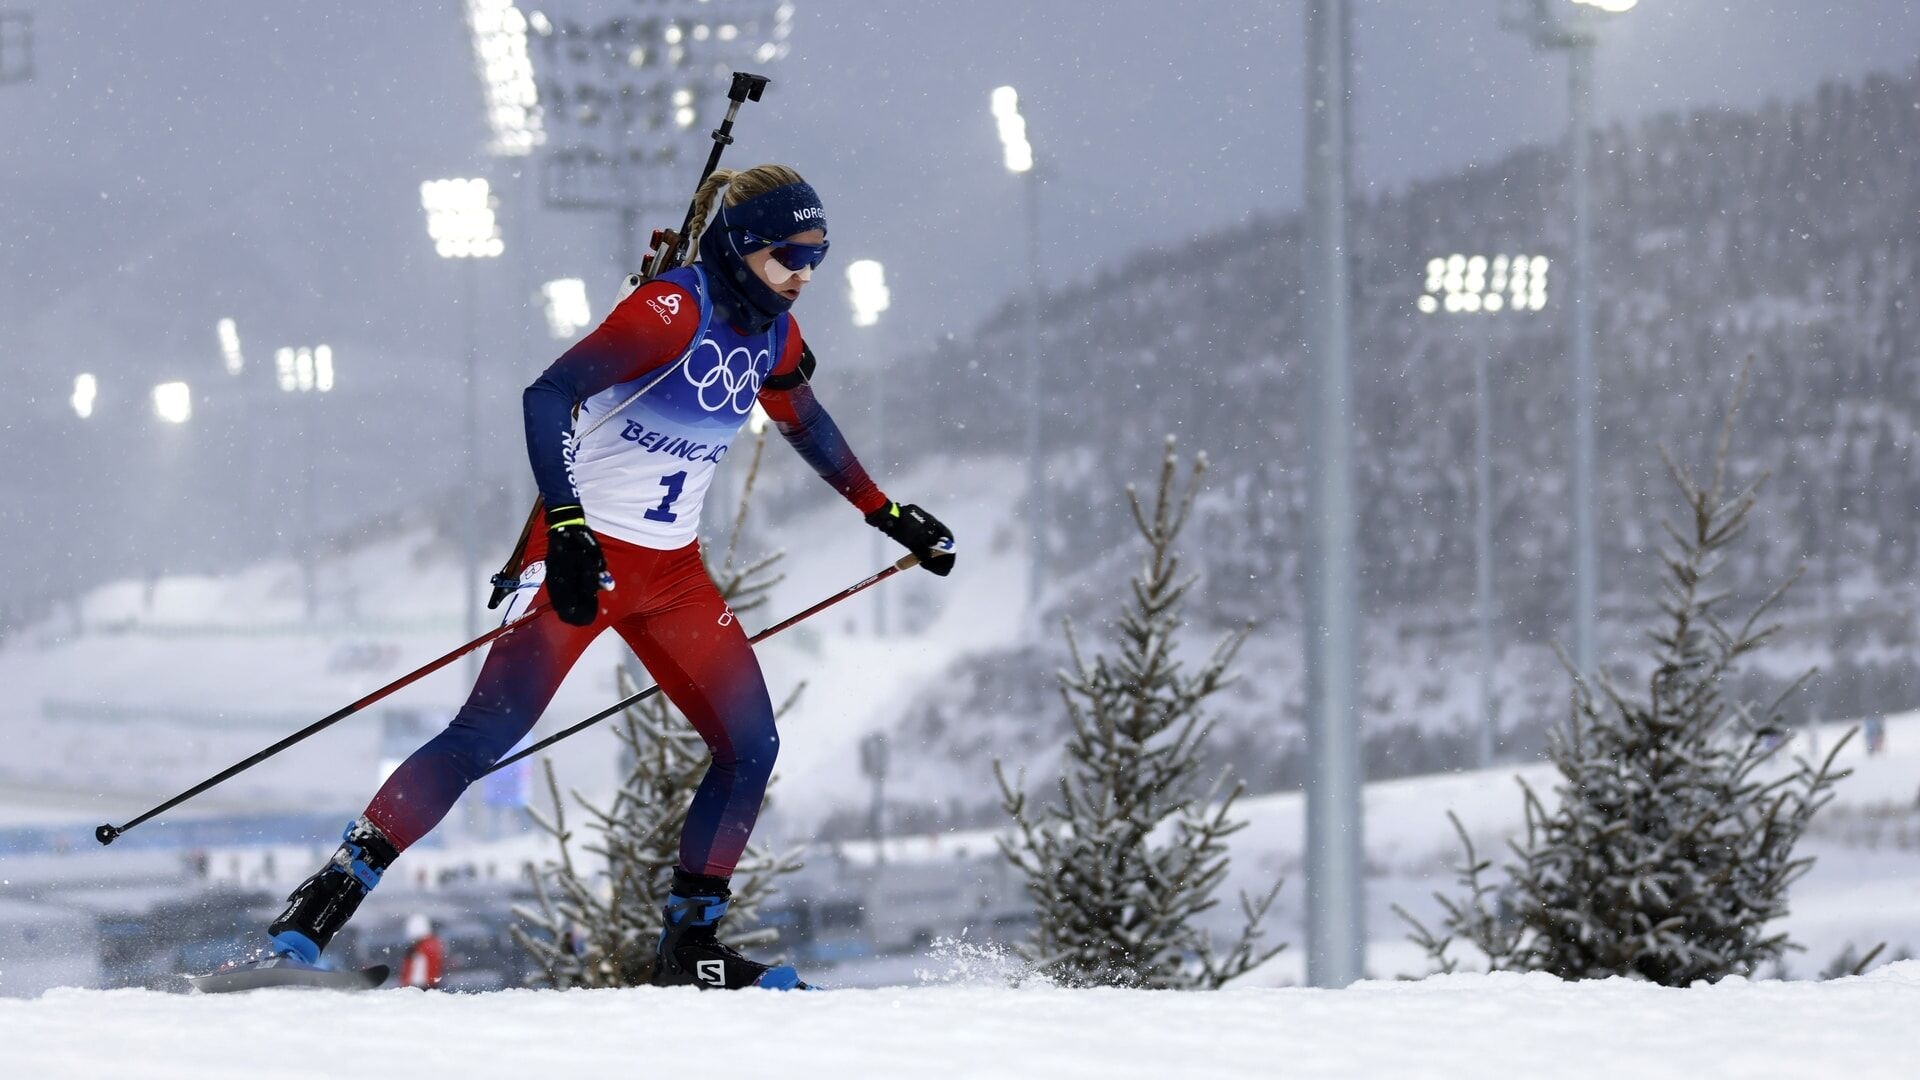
(695, 910)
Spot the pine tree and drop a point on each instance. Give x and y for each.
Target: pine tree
(597, 925)
(1669, 850)
(1121, 869)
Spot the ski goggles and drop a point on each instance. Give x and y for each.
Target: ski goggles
(795, 257)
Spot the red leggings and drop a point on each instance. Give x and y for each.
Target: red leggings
(670, 613)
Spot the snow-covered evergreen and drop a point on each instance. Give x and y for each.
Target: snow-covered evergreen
(1120, 869)
(1669, 847)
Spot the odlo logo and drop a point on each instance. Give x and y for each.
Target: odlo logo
(726, 617)
(713, 972)
(666, 306)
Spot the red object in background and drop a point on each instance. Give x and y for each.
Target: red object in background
(426, 961)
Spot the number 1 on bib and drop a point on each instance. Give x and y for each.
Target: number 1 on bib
(664, 511)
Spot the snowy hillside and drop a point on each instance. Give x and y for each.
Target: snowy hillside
(1458, 1026)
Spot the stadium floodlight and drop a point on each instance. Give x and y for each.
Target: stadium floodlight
(229, 335)
(304, 370)
(568, 312)
(1013, 130)
(867, 288)
(323, 368)
(1478, 284)
(460, 218)
(1611, 7)
(86, 389)
(173, 402)
(513, 100)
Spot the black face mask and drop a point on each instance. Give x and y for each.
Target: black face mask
(739, 296)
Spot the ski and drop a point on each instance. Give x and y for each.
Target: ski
(282, 972)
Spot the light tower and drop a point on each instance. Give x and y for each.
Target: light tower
(460, 220)
(1018, 156)
(867, 290)
(303, 370)
(499, 33)
(1467, 285)
(621, 95)
(1573, 26)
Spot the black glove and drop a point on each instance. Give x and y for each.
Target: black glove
(575, 567)
(918, 532)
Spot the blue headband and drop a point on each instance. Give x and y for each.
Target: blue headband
(739, 297)
(776, 215)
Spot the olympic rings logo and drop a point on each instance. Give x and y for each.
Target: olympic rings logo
(718, 384)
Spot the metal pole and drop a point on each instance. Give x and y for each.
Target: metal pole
(307, 403)
(467, 506)
(1585, 559)
(880, 444)
(1335, 903)
(1036, 478)
(1483, 547)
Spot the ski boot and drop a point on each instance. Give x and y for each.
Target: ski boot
(323, 903)
(690, 951)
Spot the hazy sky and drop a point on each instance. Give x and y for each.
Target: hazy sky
(174, 162)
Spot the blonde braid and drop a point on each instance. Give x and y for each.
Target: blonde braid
(703, 201)
(740, 186)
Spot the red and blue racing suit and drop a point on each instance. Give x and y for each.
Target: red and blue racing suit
(640, 474)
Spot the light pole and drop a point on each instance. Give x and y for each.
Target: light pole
(1465, 285)
(1573, 26)
(173, 404)
(1336, 903)
(873, 763)
(867, 290)
(1018, 156)
(302, 371)
(460, 220)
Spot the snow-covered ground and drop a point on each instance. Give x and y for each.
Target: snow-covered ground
(1456, 1026)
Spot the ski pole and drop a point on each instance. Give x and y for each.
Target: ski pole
(107, 834)
(906, 562)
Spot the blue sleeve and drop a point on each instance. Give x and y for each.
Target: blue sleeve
(804, 423)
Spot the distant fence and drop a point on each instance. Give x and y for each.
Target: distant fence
(94, 712)
(236, 830)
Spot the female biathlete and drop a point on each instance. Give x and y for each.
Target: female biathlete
(623, 483)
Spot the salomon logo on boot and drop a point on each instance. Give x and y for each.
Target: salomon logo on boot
(690, 951)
